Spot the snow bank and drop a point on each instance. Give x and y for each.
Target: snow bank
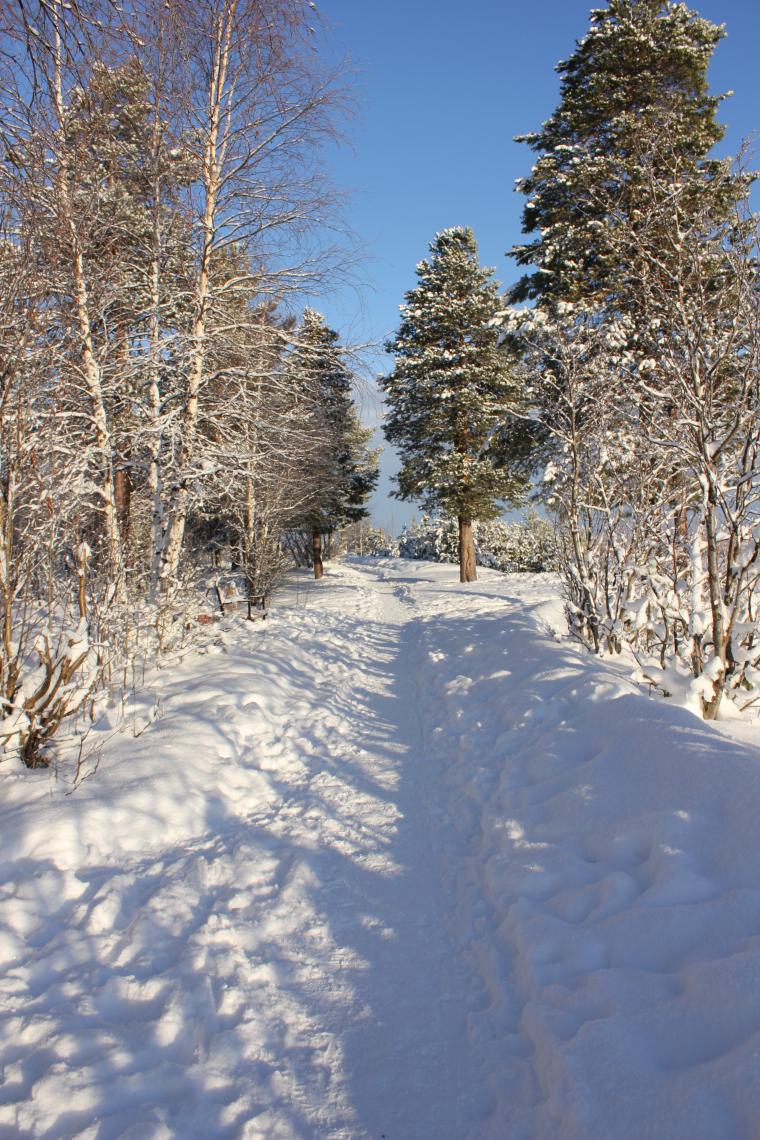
(606, 862)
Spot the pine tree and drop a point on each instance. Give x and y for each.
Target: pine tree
(453, 392)
(639, 76)
(343, 468)
(644, 269)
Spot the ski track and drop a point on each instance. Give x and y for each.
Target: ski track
(374, 875)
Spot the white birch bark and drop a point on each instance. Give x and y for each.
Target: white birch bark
(220, 96)
(90, 368)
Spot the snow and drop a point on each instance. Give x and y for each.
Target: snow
(402, 862)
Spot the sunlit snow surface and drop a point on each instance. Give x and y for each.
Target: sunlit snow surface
(400, 862)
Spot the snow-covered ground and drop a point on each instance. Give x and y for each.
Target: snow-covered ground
(401, 862)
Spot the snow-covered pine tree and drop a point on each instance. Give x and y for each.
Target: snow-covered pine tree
(640, 342)
(452, 392)
(342, 466)
(638, 75)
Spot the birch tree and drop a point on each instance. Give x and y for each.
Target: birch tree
(256, 106)
(50, 62)
(697, 376)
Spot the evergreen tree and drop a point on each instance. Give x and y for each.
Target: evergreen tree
(453, 392)
(637, 78)
(344, 469)
(644, 269)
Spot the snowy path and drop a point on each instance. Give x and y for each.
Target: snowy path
(404, 1057)
(262, 951)
(397, 865)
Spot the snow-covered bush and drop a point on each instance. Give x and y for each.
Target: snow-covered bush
(514, 547)
(433, 538)
(67, 673)
(517, 547)
(372, 541)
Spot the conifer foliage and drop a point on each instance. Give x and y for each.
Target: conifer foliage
(453, 391)
(638, 76)
(644, 345)
(343, 468)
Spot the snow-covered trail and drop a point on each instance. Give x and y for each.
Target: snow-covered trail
(408, 1073)
(399, 864)
(241, 928)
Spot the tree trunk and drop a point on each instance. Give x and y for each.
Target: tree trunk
(316, 553)
(218, 127)
(467, 564)
(91, 371)
(155, 474)
(123, 499)
(711, 704)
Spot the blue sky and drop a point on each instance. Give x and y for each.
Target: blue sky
(441, 89)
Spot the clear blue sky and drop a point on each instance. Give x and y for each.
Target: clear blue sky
(442, 87)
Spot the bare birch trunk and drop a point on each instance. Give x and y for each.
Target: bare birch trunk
(219, 121)
(249, 524)
(10, 660)
(93, 381)
(90, 367)
(155, 480)
(711, 704)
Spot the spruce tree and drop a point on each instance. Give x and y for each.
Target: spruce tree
(637, 79)
(344, 468)
(452, 392)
